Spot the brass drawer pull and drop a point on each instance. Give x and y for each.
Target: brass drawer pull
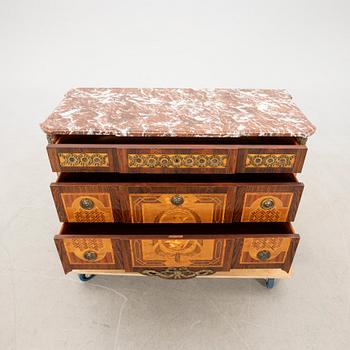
(87, 204)
(177, 273)
(263, 255)
(90, 255)
(267, 203)
(177, 200)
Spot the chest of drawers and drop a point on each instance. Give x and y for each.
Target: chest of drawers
(177, 183)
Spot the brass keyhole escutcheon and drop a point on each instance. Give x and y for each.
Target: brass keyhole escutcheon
(90, 255)
(177, 200)
(267, 203)
(87, 204)
(263, 255)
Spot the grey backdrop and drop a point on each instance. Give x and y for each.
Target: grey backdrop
(47, 47)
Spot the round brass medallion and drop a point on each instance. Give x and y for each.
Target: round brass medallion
(267, 203)
(87, 204)
(263, 255)
(90, 255)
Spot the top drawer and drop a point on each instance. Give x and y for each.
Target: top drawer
(176, 155)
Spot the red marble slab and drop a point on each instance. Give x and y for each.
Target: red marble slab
(178, 113)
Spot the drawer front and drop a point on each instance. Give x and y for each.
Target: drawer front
(265, 252)
(81, 159)
(177, 208)
(269, 203)
(271, 160)
(266, 207)
(211, 159)
(145, 254)
(176, 203)
(178, 160)
(87, 207)
(172, 255)
(94, 253)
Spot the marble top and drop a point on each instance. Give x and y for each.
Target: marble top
(178, 113)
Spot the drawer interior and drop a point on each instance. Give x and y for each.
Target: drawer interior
(178, 230)
(110, 140)
(165, 178)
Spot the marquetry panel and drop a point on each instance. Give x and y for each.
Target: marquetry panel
(150, 160)
(89, 250)
(266, 250)
(177, 252)
(266, 207)
(87, 207)
(270, 160)
(195, 208)
(83, 159)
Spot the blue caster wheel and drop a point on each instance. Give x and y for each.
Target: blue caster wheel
(83, 277)
(270, 282)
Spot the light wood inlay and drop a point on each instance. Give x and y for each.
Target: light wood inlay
(196, 208)
(233, 273)
(253, 210)
(269, 160)
(78, 248)
(83, 159)
(177, 252)
(100, 212)
(274, 248)
(150, 160)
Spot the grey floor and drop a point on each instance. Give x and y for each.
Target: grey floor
(48, 47)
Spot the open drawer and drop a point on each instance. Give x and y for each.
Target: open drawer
(189, 250)
(152, 198)
(87, 153)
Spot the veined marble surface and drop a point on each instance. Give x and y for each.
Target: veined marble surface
(178, 112)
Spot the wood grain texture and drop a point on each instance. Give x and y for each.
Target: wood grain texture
(277, 251)
(204, 156)
(196, 208)
(71, 250)
(276, 159)
(233, 273)
(194, 253)
(134, 247)
(100, 211)
(204, 202)
(254, 210)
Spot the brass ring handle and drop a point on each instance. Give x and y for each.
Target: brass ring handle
(177, 199)
(176, 273)
(90, 255)
(87, 204)
(267, 203)
(263, 255)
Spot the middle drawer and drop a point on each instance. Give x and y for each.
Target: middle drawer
(145, 198)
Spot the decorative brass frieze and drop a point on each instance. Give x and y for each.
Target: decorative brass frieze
(270, 250)
(180, 208)
(89, 250)
(189, 160)
(266, 207)
(269, 160)
(76, 159)
(177, 252)
(176, 273)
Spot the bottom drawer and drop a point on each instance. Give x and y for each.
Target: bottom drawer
(176, 251)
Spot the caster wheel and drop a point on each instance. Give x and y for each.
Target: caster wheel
(270, 283)
(83, 277)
